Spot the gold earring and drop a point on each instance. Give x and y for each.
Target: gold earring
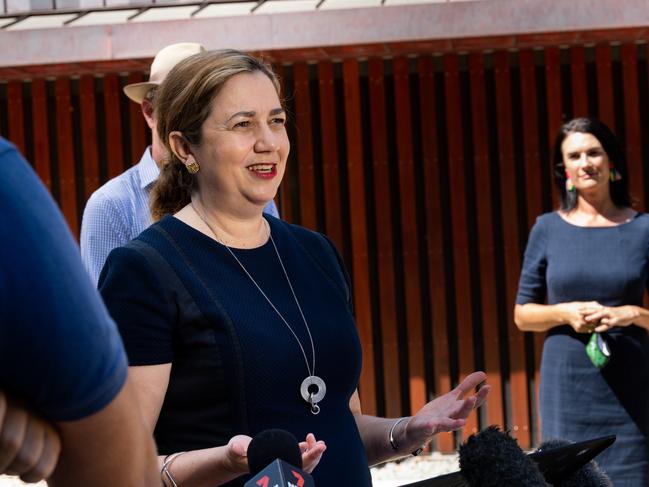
(192, 166)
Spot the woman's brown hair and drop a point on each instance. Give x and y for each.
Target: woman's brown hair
(183, 103)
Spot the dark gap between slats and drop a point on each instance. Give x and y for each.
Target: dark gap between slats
(445, 196)
(499, 244)
(566, 85)
(395, 203)
(618, 95)
(316, 139)
(522, 206)
(4, 110)
(420, 199)
(50, 93)
(339, 96)
(643, 100)
(28, 122)
(100, 114)
(75, 101)
(470, 182)
(591, 82)
(372, 236)
(543, 135)
(125, 121)
(292, 168)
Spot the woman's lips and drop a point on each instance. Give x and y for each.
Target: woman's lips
(263, 170)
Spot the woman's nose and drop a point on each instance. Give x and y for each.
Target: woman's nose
(265, 140)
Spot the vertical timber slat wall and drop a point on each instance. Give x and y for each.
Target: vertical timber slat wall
(458, 190)
(483, 188)
(426, 172)
(357, 209)
(410, 236)
(518, 406)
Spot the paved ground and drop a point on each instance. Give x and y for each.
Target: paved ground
(389, 475)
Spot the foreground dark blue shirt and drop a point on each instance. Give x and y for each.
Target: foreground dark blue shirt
(59, 349)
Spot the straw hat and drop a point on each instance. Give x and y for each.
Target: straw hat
(163, 62)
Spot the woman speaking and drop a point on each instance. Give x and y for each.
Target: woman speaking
(235, 321)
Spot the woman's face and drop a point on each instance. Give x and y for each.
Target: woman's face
(586, 161)
(244, 145)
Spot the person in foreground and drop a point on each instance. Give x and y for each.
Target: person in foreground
(235, 321)
(584, 274)
(64, 392)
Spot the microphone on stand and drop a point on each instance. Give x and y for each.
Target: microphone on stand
(275, 460)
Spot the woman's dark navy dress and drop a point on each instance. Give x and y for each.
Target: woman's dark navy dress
(610, 265)
(179, 297)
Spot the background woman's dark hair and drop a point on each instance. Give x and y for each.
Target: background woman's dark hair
(619, 189)
(183, 103)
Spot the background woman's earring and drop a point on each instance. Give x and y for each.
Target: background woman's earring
(192, 166)
(614, 174)
(569, 186)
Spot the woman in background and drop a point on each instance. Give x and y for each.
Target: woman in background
(583, 279)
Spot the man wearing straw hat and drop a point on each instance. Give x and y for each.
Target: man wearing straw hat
(119, 210)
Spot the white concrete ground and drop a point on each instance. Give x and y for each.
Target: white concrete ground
(391, 474)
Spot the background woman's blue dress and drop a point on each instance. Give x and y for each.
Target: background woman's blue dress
(610, 265)
(178, 296)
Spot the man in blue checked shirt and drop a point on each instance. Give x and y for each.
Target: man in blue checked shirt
(119, 210)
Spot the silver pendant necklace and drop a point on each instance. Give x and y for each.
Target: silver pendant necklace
(313, 388)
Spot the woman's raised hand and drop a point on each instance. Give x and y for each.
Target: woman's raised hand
(447, 412)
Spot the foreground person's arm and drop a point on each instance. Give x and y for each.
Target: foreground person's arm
(111, 447)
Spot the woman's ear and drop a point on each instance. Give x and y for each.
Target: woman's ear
(179, 146)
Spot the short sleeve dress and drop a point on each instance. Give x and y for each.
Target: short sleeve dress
(564, 262)
(179, 297)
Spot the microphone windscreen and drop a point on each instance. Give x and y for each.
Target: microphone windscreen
(590, 475)
(270, 445)
(492, 458)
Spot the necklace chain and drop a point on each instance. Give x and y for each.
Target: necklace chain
(311, 369)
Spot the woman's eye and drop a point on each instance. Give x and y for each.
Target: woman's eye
(278, 121)
(243, 124)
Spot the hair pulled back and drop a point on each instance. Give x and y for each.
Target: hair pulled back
(183, 103)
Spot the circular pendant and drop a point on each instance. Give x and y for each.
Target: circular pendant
(313, 389)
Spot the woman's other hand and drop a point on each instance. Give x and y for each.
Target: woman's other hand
(29, 445)
(237, 454)
(312, 451)
(447, 412)
(608, 317)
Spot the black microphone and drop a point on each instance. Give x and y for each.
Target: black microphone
(589, 475)
(275, 460)
(492, 458)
